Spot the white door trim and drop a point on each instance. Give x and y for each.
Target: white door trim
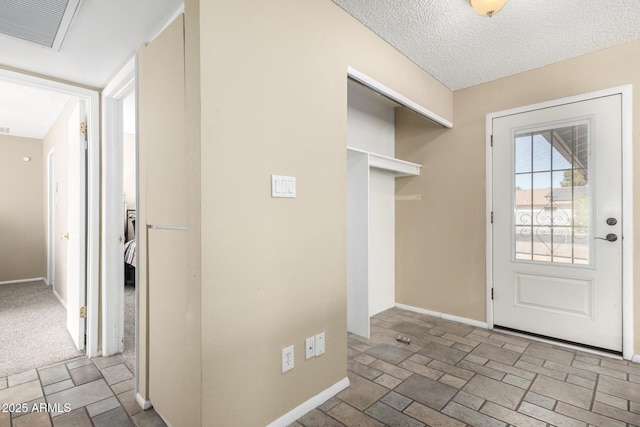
(91, 97)
(51, 202)
(627, 201)
(113, 95)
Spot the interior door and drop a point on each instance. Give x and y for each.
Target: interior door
(163, 239)
(76, 235)
(557, 212)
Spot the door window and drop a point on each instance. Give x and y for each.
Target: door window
(552, 200)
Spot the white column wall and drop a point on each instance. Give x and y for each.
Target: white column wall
(370, 127)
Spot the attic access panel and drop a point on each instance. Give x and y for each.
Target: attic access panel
(42, 22)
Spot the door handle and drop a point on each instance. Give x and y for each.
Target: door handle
(609, 237)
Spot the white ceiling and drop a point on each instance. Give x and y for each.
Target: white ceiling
(461, 49)
(29, 111)
(102, 38)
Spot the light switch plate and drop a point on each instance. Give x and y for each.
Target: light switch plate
(283, 186)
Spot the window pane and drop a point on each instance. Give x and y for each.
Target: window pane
(523, 242)
(551, 195)
(562, 200)
(523, 153)
(542, 151)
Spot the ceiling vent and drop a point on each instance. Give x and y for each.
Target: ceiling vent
(43, 22)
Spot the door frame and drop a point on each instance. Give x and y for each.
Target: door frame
(91, 280)
(626, 93)
(113, 95)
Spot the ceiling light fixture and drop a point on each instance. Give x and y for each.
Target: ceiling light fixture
(487, 7)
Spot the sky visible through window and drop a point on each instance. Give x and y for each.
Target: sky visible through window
(533, 163)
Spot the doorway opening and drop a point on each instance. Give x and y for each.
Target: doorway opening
(120, 183)
(54, 248)
(129, 181)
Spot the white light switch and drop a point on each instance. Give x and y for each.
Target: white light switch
(283, 186)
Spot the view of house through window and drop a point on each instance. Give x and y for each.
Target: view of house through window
(552, 201)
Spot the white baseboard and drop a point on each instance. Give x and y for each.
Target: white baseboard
(466, 321)
(34, 279)
(635, 358)
(310, 404)
(144, 404)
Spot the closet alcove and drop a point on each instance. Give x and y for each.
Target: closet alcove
(371, 173)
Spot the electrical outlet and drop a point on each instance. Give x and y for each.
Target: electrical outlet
(319, 342)
(287, 359)
(309, 347)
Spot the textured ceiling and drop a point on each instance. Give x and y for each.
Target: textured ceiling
(29, 111)
(461, 49)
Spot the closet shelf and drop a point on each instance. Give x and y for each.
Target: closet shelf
(399, 167)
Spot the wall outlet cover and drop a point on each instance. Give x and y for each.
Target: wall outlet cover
(319, 344)
(287, 359)
(309, 347)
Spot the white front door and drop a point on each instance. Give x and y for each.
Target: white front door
(557, 222)
(76, 247)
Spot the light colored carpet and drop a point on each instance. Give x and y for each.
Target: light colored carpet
(33, 328)
(129, 353)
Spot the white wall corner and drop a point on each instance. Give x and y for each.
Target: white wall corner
(144, 404)
(64, 304)
(445, 316)
(310, 404)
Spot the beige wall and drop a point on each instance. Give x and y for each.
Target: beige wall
(57, 139)
(441, 238)
(22, 209)
(274, 101)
